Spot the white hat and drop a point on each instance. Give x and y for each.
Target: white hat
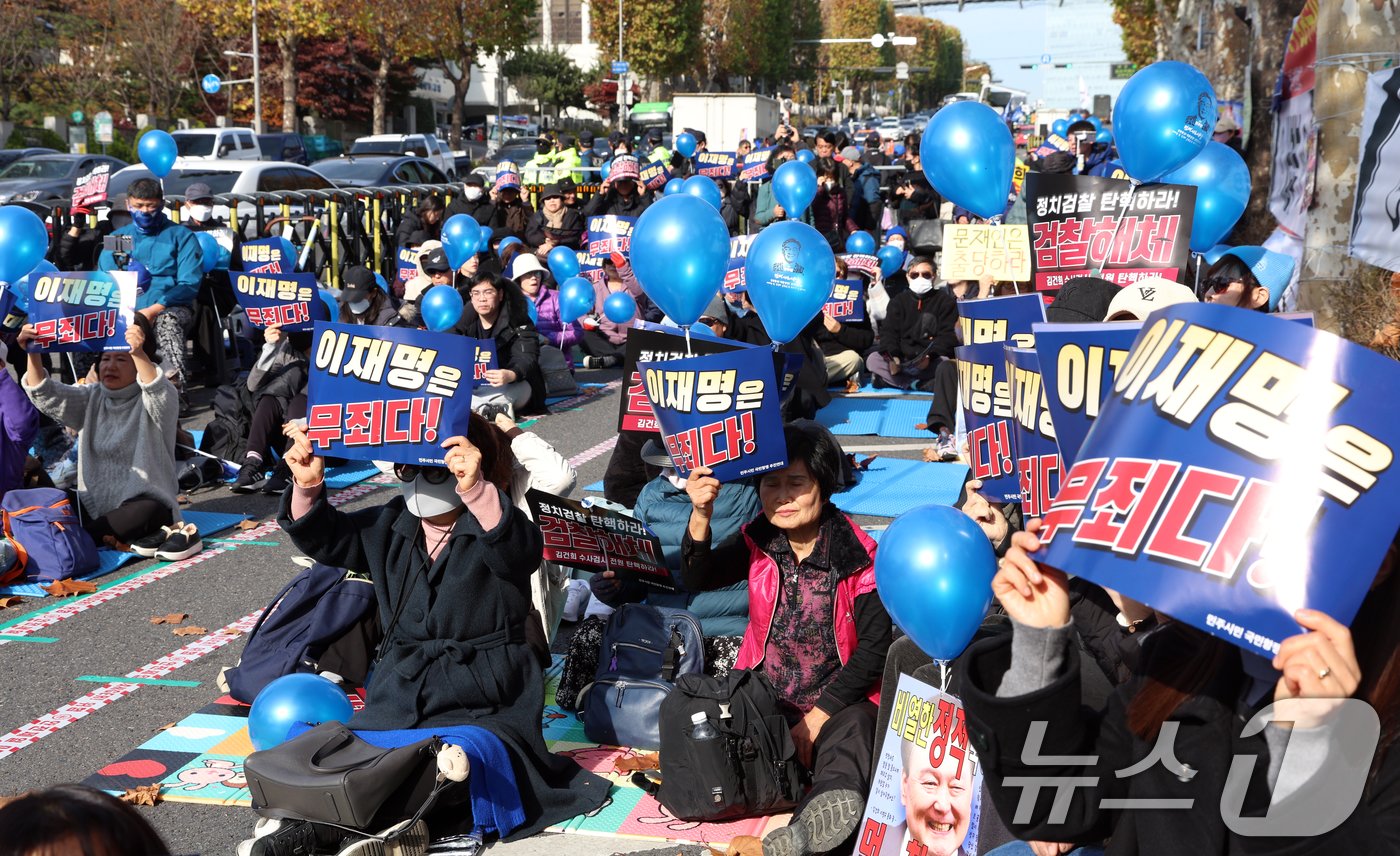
(4, 352)
(1136, 301)
(523, 264)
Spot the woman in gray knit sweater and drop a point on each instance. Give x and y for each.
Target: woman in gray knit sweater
(126, 443)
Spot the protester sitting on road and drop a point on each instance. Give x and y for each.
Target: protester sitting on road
(451, 561)
(512, 215)
(843, 342)
(278, 385)
(603, 339)
(554, 225)
(473, 202)
(19, 423)
(918, 332)
(817, 629)
(426, 218)
(167, 256)
(496, 310)
(621, 193)
(362, 301)
(1248, 277)
(536, 283)
(126, 445)
(75, 820)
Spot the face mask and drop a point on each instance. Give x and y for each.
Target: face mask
(920, 286)
(358, 306)
(146, 221)
(738, 309)
(201, 213)
(676, 479)
(425, 499)
(473, 194)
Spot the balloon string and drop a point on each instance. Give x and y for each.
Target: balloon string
(1117, 224)
(943, 676)
(1197, 289)
(688, 352)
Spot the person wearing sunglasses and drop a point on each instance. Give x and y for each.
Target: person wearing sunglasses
(919, 330)
(1248, 277)
(451, 559)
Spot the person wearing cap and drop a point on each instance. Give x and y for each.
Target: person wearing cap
(874, 154)
(473, 201)
(619, 144)
(568, 189)
(1137, 300)
(716, 316)
(540, 168)
(362, 301)
(1227, 131)
(19, 423)
(576, 159)
(512, 214)
(534, 282)
(655, 152)
(865, 204)
(277, 386)
(622, 194)
(554, 225)
(496, 310)
(1248, 277)
(664, 507)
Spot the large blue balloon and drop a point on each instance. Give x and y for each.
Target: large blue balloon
(563, 263)
(575, 299)
(506, 242)
(461, 235)
(328, 303)
(934, 573)
(1059, 127)
(485, 243)
(620, 307)
(891, 260)
(860, 242)
(604, 169)
(789, 270)
(704, 188)
(685, 144)
(806, 155)
(293, 699)
(1221, 179)
(23, 241)
(1163, 118)
(441, 308)
(210, 251)
(1096, 122)
(968, 156)
(674, 186)
(680, 249)
(794, 186)
(1105, 137)
(157, 151)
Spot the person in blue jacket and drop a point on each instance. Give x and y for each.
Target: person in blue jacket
(664, 507)
(166, 259)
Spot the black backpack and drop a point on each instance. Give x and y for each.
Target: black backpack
(749, 770)
(644, 650)
(319, 606)
(226, 435)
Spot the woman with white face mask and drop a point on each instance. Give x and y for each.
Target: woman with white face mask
(451, 559)
(362, 301)
(473, 201)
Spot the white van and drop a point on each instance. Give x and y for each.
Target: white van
(425, 146)
(207, 144)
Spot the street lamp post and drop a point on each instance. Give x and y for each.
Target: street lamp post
(257, 76)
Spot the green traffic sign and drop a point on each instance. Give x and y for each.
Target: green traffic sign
(77, 116)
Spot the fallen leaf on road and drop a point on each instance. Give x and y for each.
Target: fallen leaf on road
(742, 845)
(68, 588)
(245, 525)
(230, 631)
(11, 600)
(634, 763)
(189, 631)
(144, 795)
(182, 499)
(167, 726)
(170, 618)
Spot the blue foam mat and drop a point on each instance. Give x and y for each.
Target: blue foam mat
(354, 472)
(108, 560)
(892, 486)
(884, 417)
(596, 487)
(870, 390)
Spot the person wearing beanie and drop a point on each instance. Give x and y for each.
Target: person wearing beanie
(473, 201)
(19, 423)
(554, 225)
(622, 193)
(512, 214)
(1248, 277)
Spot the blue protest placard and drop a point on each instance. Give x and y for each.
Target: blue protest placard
(485, 361)
(286, 300)
(387, 393)
(755, 166)
(719, 411)
(985, 398)
(269, 255)
(82, 310)
(608, 234)
(407, 265)
(1000, 319)
(1033, 432)
(846, 302)
(654, 175)
(1078, 362)
(1053, 143)
(1242, 468)
(734, 279)
(652, 343)
(716, 165)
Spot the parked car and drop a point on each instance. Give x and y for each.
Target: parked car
(206, 144)
(232, 176)
(378, 171)
(48, 179)
(9, 156)
(462, 163)
(890, 129)
(425, 146)
(283, 147)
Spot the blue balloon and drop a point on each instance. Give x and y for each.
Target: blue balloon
(703, 187)
(506, 242)
(1096, 122)
(685, 144)
(332, 307)
(605, 169)
(23, 286)
(806, 155)
(575, 299)
(208, 251)
(484, 245)
(23, 241)
(292, 699)
(620, 307)
(789, 271)
(1213, 254)
(1059, 127)
(563, 263)
(461, 235)
(891, 260)
(441, 307)
(934, 574)
(860, 242)
(1163, 118)
(794, 186)
(968, 156)
(157, 151)
(674, 186)
(1105, 137)
(680, 249)
(381, 282)
(1221, 179)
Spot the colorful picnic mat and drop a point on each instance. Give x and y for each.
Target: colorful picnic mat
(200, 760)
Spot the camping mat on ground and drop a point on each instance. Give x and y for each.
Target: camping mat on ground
(892, 486)
(209, 522)
(350, 473)
(884, 417)
(596, 487)
(869, 390)
(200, 760)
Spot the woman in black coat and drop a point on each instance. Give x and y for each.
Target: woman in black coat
(451, 561)
(496, 309)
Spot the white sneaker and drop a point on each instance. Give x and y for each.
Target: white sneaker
(401, 839)
(576, 599)
(64, 473)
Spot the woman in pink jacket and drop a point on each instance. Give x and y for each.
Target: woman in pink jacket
(603, 340)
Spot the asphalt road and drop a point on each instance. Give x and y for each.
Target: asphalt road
(113, 635)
